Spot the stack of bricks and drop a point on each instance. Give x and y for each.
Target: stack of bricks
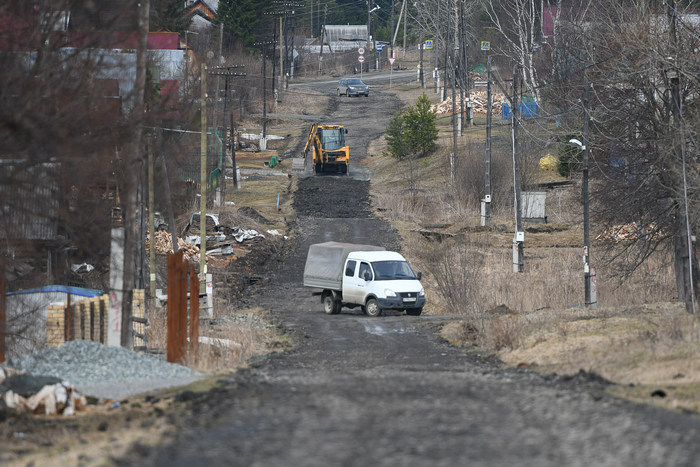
(55, 325)
(88, 321)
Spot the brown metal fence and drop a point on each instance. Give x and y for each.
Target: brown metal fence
(180, 275)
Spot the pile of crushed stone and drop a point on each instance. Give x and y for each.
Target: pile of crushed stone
(103, 371)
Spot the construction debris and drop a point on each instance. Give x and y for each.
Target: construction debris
(39, 395)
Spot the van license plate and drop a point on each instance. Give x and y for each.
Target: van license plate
(409, 299)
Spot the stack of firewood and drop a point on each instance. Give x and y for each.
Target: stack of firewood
(479, 103)
(164, 246)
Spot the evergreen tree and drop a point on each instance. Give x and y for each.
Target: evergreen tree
(241, 19)
(395, 132)
(169, 15)
(422, 132)
(412, 131)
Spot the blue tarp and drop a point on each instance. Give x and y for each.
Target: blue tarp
(62, 289)
(527, 110)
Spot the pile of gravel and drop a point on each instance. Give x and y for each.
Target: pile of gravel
(104, 371)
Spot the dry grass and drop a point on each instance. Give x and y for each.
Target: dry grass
(637, 336)
(226, 342)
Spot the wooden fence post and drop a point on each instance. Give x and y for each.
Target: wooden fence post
(177, 300)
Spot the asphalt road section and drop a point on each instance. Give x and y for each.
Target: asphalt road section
(385, 391)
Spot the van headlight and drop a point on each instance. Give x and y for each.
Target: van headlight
(421, 293)
(389, 293)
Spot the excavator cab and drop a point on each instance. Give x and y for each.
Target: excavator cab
(332, 139)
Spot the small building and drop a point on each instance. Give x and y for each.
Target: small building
(341, 38)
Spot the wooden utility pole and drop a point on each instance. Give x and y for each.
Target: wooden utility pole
(519, 238)
(131, 172)
(587, 272)
(151, 228)
(203, 182)
(228, 72)
(682, 241)
(453, 158)
(487, 180)
(421, 72)
(435, 46)
(264, 73)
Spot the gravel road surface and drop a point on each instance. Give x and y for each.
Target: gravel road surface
(386, 391)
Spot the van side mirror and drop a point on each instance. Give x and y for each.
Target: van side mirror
(367, 276)
(419, 275)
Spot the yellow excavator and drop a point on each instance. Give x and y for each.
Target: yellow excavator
(330, 153)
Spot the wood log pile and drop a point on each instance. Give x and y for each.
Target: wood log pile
(479, 103)
(622, 232)
(164, 246)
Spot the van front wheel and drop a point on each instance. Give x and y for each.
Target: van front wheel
(372, 308)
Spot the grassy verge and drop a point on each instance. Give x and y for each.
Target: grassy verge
(637, 336)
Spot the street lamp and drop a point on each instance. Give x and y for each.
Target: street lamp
(588, 272)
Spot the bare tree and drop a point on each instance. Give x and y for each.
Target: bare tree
(644, 72)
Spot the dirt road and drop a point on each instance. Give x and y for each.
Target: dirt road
(386, 391)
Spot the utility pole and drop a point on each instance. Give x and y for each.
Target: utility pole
(391, 29)
(453, 157)
(447, 49)
(203, 185)
(486, 202)
(264, 73)
(228, 72)
(436, 72)
(151, 227)
(421, 72)
(323, 36)
(291, 66)
(369, 13)
(519, 238)
(682, 241)
(588, 273)
(217, 90)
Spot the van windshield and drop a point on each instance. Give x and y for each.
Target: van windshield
(392, 270)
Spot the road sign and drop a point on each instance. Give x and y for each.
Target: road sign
(429, 44)
(379, 47)
(361, 51)
(361, 59)
(391, 60)
(485, 45)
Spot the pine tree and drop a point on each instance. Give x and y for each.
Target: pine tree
(169, 15)
(240, 19)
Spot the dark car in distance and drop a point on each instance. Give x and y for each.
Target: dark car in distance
(352, 87)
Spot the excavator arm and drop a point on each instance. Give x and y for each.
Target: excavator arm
(313, 139)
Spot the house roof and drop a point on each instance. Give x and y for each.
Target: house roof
(203, 9)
